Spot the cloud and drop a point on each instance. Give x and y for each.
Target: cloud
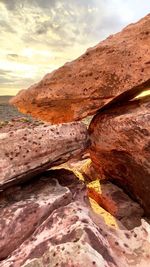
(9, 3)
(66, 23)
(63, 19)
(13, 4)
(17, 58)
(6, 77)
(10, 82)
(4, 26)
(4, 72)
(38, 36)
(13, 56)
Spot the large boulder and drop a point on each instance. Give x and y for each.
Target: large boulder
(120, 64)
(28, 148)
(120, 147)
(68, 233)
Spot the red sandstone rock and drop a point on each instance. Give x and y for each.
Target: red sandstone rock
(120, 205)
(120, 147)
(79, 88)
(68, 235)
(27, 149)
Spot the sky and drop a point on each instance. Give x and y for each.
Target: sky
(38, 36)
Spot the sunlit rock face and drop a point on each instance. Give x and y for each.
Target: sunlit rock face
(80, 88)
(54, 225)
(28, 148)
(120, 147)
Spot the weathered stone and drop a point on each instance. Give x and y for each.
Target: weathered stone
(120, 205)
(72, 235)
(27, 149)
(109, 196)
(23, 208)
(120, 64)
(120, 147)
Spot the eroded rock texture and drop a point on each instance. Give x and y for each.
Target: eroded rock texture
(67, 233)
(120, 147)
(120, 205)
(27, 149)
(116, 65)
(23, 208)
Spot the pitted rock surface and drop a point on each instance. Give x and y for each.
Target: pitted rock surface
(120, 147)
(24, 207)
(27, 149)
(119, 64)
(72, 235)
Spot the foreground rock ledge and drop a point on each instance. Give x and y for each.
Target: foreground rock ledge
(120, 147)
(67, 233)
(28, 148)
(117, 65)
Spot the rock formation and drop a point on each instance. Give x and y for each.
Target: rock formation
(48, 218)
(67, 233)
(120, 147)
(117, 65)
(24, 207)
(120, 205)
(29, 148)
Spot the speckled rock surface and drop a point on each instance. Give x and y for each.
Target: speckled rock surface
(72, 234)
(120, 147)
(80, 88)
(29, 148)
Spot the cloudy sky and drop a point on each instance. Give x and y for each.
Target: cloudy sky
(38, 36)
